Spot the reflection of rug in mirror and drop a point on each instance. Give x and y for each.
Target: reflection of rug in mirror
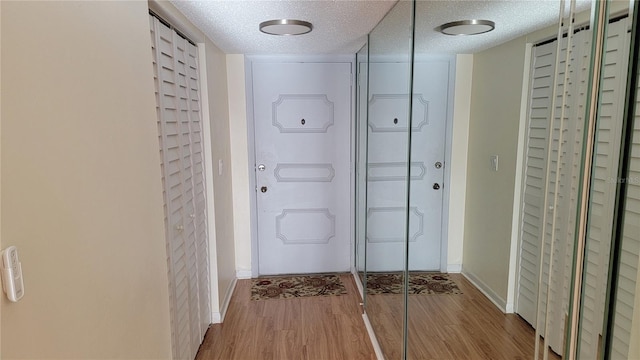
(286, 287)
(420, 283)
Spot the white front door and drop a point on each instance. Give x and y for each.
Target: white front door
(387, 165)
(302, 115)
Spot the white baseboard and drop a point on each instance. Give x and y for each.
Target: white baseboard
(496, 299)
(510, 308)
(227, 299)
(356, 278)
(243, 274)
(374, 341)
(454, 268)
(216, 318)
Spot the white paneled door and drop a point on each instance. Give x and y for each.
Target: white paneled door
(387, 164)
(302, 122)
(180, 134)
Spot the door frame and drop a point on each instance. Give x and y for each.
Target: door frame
(349, 58)
(251, 142)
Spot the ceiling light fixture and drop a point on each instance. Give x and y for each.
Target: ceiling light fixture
(285, 27)
(467, 27)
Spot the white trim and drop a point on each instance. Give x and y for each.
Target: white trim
(352, 165)
(251, 151)
(356, 278)
(374, 341)
(207, 153)
(227, 299)
(244, 274)
(454, 268)
(216, 318)
(167, 12)
(516, 220)
(496, 299)
(337, 58)
(448, 150)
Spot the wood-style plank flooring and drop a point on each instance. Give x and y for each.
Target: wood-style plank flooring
(320, 327)
(465, 326)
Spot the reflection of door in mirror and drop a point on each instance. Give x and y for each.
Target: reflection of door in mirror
(387, 168)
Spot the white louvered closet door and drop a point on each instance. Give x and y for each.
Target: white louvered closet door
(629, 258)
(541, 92)
(603, 190)
(180, 136)
(564, 166)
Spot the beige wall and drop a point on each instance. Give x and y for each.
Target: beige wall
(222, 169)
(81, 182)
(494, 130)
(240, 159)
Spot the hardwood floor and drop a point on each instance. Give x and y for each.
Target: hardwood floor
(318, 327)
(465, 326)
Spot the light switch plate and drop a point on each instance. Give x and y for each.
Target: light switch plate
(494, 162)
(11, 270)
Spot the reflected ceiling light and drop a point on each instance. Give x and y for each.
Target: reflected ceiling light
(285, 27)
(467, 27)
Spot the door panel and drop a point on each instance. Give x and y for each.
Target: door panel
(387, 167)
(302, 114)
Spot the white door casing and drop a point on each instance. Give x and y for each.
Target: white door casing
(302, 122)
(387, 165)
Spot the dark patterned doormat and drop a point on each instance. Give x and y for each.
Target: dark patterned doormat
(420, 283)
(287, 287)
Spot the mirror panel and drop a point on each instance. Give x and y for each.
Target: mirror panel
(388, 129)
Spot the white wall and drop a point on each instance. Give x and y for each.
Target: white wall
(459, 148)
(239, 160)
(494, 130)
(82, 196)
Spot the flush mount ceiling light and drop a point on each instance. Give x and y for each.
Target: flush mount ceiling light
(467, 27)
(285, 27)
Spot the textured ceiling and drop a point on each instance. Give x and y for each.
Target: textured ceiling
(340, 27)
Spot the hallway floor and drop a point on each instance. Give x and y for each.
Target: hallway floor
(318, 328)
(464, 326)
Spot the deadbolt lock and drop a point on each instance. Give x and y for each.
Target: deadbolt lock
(263, 189)
(438, 164)
(436, 186)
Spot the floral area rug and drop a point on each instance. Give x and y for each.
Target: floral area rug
(419, 284)
(286, 287)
